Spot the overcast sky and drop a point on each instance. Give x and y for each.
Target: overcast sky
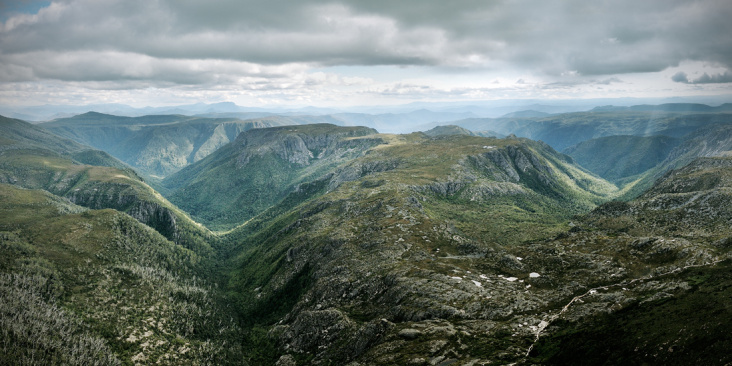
(274, 52)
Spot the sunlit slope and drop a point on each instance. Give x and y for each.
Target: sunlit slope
(617, 157)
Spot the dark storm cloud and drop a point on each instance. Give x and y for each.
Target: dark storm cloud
(163, 39)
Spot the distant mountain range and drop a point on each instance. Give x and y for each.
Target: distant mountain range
(669, 107)
(491, 109)
(564, 130)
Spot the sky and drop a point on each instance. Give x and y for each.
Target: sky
(359, 52)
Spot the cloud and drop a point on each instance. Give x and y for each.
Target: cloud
(591, 38)
(682, 77)
(725, 77)
(275, 45)
(609, 81)
(113, 65)
(307, 33)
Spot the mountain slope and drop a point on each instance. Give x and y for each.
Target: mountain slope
(709, 141)
(260, 168)
(617, 157)
(448, 130)
(21, 134)
(373, 249)
(401, 264)
(457, 130)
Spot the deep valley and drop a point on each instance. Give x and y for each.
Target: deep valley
(597, 237)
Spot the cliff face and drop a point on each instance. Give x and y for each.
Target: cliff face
(123, 198)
